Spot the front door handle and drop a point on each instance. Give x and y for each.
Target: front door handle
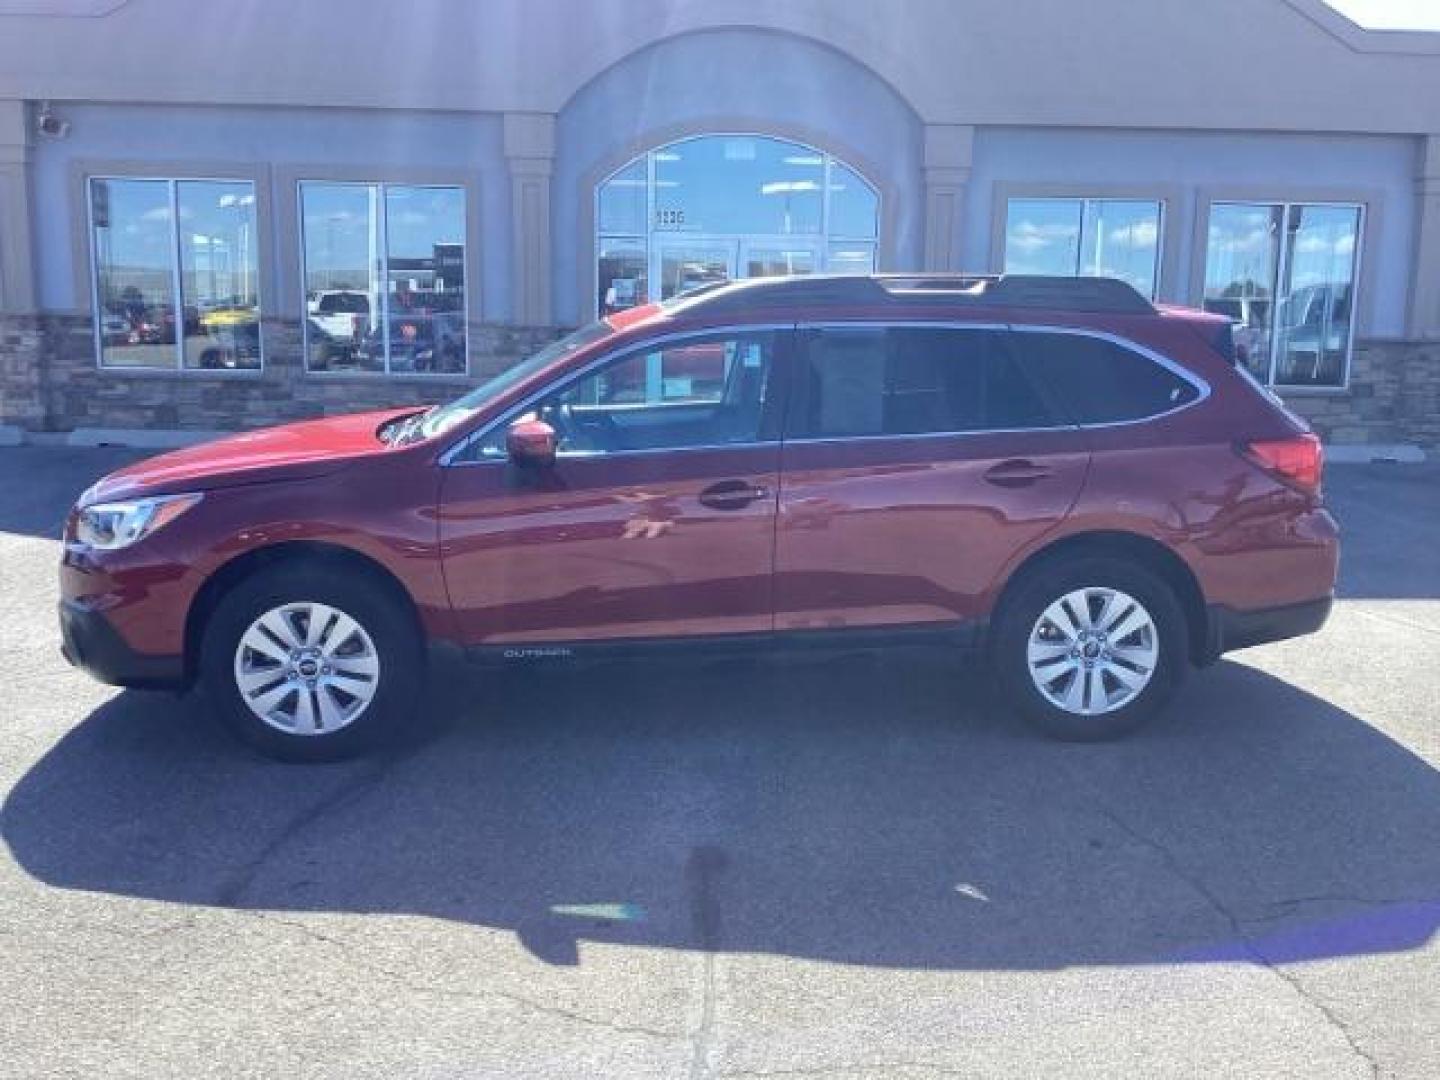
(732, 494)
(1017, 472)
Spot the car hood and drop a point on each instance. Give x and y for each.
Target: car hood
(289, 452)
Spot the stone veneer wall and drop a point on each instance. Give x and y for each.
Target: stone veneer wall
(1393, 397)
(22, 345)
(49, 381)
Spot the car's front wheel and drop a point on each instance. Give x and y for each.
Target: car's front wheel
(1090, 649)
(307, 664)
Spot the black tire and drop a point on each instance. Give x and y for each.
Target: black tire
(1028, 600)
(391, 629)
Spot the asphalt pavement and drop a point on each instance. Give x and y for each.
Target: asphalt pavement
(855, 867)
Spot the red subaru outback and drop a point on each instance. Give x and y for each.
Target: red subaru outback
(1085, 486)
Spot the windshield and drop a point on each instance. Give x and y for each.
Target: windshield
(344, 303)
(444, 417)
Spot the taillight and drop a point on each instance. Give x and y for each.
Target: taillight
(1298, 461)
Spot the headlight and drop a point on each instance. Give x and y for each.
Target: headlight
(113, 525)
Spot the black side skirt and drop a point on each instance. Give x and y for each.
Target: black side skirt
(950, 636)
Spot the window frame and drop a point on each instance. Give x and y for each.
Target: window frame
(463, 451)
(1360, 296)
(1164, 240)
(87, 265)
(468, 225)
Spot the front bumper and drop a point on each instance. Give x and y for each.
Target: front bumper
(90, 643)
(1230, 629)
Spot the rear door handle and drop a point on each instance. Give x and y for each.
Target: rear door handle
(733, 494)
(1017, 472)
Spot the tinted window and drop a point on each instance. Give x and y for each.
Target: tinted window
(1097, 381)
(911, 382)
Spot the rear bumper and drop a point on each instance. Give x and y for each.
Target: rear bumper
(90, 643)
(1230, 629)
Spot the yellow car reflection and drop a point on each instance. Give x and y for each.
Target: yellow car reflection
(227, 318)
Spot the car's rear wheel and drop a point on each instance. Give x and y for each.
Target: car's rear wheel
(307, 664)
(1090, 648)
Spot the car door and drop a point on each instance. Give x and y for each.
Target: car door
(917, 460)
(657, 518)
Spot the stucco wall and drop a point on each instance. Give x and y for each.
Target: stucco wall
(1259, 64)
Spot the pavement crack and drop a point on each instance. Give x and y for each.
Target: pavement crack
(1242, 936)
(701, 870)
(352, 790)
(408, 982)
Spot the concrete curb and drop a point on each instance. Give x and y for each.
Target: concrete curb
(1396, 453)
(140, 439)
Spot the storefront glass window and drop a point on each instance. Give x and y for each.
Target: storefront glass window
(384, 271)
(1285, 273)
(218, 275)
(176, 273)
(1241, 261)
(1117, 238)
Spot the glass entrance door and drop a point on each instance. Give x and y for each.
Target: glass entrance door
(777, 258)
(686, 264)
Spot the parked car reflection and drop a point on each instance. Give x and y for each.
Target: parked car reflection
(419, 342)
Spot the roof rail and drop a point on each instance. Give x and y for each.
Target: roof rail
(1088, 294)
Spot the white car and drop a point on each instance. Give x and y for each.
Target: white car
(344, 314)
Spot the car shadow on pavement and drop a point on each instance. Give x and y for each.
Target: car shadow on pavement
(845, 810)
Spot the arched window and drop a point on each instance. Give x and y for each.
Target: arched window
(716, 207)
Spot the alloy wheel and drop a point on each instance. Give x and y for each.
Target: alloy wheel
(307, 668)
(1092, 651)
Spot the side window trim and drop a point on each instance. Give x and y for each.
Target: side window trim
(799, 398)
(462, 453)
(1199, 385)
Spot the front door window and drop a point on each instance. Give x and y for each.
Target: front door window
(707, 391)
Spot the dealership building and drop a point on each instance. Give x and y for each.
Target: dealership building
(217, 216)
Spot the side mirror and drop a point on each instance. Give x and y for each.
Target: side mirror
(531, 444)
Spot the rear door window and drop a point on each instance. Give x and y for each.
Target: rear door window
(867, 381)
(1099, 381)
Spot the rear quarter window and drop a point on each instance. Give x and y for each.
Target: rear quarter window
(1098, 381)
